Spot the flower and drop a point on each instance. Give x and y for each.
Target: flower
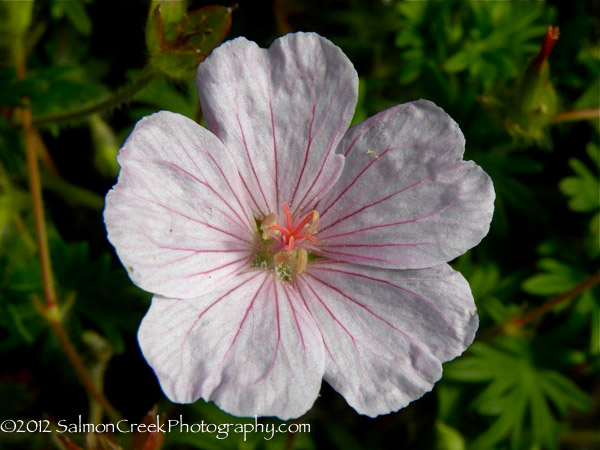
(284, 248)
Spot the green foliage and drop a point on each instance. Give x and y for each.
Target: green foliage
(160, 94)
(447, 438)
(19, 285)
(510, 174)
(487, 41)
(106, 147)
(102, 295)
(74, 11)
(520, 395)
(59, 89)
(490, 288)
(13, 92)
(98, 294)
(555, 278)
(15, 18)
(583, 188)
(588, 56)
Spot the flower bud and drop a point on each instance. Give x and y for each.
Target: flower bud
(163, 18)
(178, 40)
(534, 97)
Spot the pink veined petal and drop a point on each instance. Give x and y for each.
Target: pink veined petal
(386, 332)
(176, 216)
(250, 346)
(281, 112)
(405, 199)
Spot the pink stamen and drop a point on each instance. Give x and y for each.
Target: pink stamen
(290, 235)
(288, 216)
(306, 219)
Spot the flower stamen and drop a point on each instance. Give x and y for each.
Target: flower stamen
(291, 236)
(288, 215)
(304, 221)
(284, 246)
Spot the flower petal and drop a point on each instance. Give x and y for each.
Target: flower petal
(405, 199)
(386, 332)
(281, 112)
(176, 216)
(250, 346)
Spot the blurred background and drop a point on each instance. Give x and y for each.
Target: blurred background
(77, 75)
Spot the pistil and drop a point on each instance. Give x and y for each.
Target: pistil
(283, 246)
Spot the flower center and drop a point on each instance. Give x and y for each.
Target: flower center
(285, 246)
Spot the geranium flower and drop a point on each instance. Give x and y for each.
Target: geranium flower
(283, 248)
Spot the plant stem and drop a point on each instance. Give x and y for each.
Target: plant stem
(55, 323)
(50, 309)
(38, 211)
(521, 321)
(38, 207)
(105, 104)
(36, 190)
(571, 116)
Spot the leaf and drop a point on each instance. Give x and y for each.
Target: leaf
(459, 61)
(59, 89)
(582, 188)
(75, 11)
(589, 56)
(519, 394)
(557, 278)
(542, 420)
(20, 281)
(564, 393)
(15, 18)
(162, 94)
(447, 438)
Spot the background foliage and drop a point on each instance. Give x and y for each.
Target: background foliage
(87, 70)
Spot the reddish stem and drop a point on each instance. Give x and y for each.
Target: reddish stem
(572, 116)
(521, 321)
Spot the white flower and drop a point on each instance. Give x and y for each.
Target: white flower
(253, 305)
